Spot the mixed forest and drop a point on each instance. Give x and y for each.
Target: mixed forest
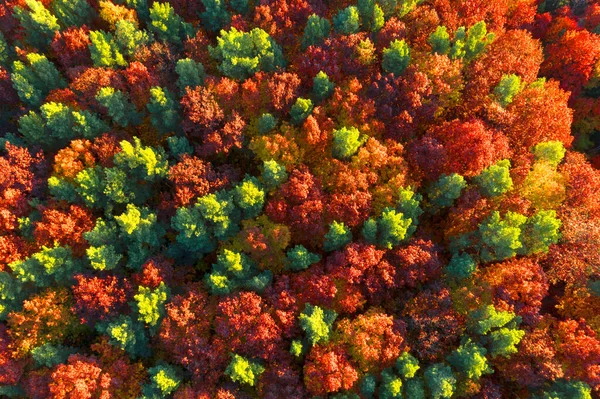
(345, 199)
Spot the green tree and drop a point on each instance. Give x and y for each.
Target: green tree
(446, 190)
(167, 25)
(104, 50)
(406, 6)
(389, 230)
(508, 88)
(317, 323)
(347, 21)
(142, 162)
(190, 73)
(501, 238)
(249, 197)
(273, 174)
(128, 38)
(316, 31)
(34, 79)
(477, 39)
(396, 57)
(50, 266)
(241, 54)
(49, 355)
(540, 231)
(38, 23)
(164, 378)
(391, 385)
(346, 142)
(563, 389)
(215, 16)
(322, 86)
(440, 40)
(409, 204)
(300, 110)
(72, 12)
(235, 270)
(495, 180)
(470, 361)
(163, 110)
(299, 258)
(337, 237)
(120, 109)
(127, 334)
(552, 152)
(6, 52)
(371, 15)
(461, 266)
(469, 44)
(440, 381)
(266, 123)
(407, 365)
(58, 124)
(244, 371)
(150, 304)
(499, 330)
(11, 295)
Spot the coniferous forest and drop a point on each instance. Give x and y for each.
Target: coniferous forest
(289, 199)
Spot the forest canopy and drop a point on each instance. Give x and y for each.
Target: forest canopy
(350, 199)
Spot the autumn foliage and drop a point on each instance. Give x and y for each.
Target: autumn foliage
(299, 199)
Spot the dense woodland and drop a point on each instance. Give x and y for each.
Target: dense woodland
(222, 199)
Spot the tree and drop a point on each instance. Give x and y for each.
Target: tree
(50, 266)
(163, 110)
(167, 25)
(119, 108)
(242, 54)
(38, 22)
(396, 57)
(508, 88)
(299, 258)
(215, 16)
(446, 190)
(347, 21)
(495, 180)
(244, 371)
(249, 197)
(34, 80)
(461, 266)
(234, 271)
(322, 86)
(164, 379)
(190, 72)
(470, 361)
(58, 124)
(552, 152)
(300, 110)
(440, 381)
(142, 162)
(104, 50)
(150, 304)
(501, 238)
(389, 230)
(440, 40)
(540, 231)
(327, 369)
(346, 142)
(338, 236)
(72, 13)
(273, 174)
(374, 339)
(316, 30)
(128, 39)
(371, 15)
(317, 323)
